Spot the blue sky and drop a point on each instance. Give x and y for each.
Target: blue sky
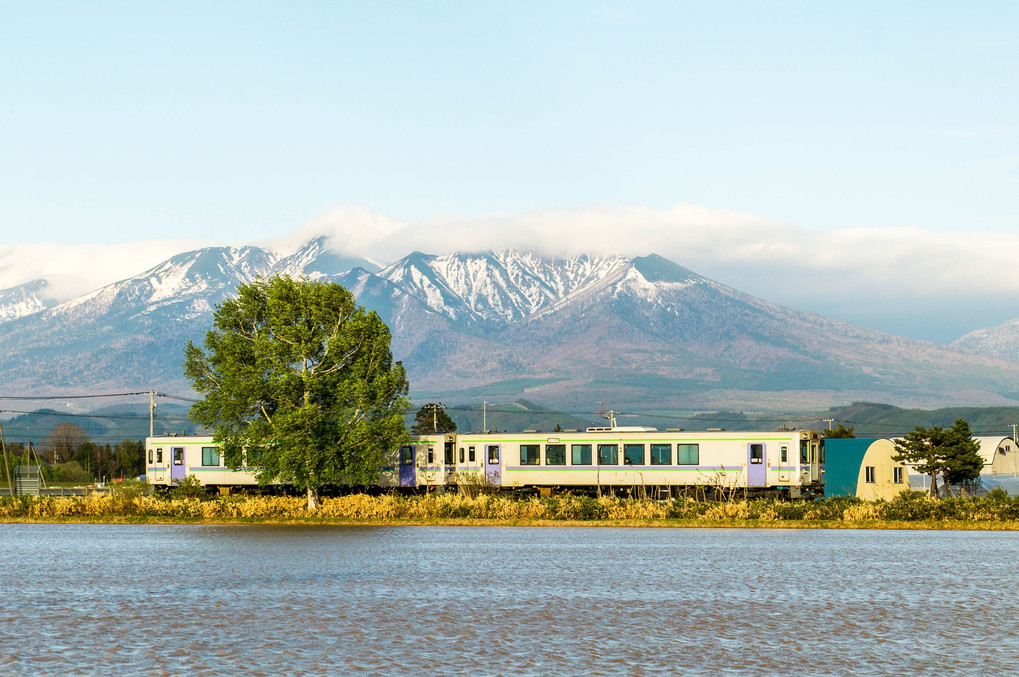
(834, 124)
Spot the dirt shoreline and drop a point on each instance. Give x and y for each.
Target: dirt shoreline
(881, 525)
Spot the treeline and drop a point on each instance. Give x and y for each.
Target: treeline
(67, 454)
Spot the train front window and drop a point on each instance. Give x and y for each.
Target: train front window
(661, 454)
(608, 454)
(450, 454)
(633, 454)
(581, 454)
(555, 454)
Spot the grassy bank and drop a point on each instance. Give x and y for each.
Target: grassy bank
(906, 511)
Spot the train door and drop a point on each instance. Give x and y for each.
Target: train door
(408, 469)
(449, 458)
(178, 464)
(757, 466)
(158, 465)
(783, 464)
(493, 465)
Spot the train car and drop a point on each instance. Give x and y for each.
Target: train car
(169, 459)
(628, 460)
(642, 460)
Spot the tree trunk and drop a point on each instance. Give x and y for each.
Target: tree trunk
(312, 499)
(934, 485)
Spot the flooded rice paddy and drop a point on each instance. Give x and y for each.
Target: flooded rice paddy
(150, 599)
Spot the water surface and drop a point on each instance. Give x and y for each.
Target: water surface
(153, 599)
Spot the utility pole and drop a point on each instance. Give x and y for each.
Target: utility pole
(484, 416)
(829, 421)
(10, 487)
(435, 415)
(152, 413)
(1014, 425)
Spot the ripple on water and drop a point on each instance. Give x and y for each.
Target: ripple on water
(83, 599)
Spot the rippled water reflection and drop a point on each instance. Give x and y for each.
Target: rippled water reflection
(84, 599)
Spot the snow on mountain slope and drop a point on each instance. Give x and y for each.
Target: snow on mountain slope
(1001, 341)
(25, 299)
(499, 287)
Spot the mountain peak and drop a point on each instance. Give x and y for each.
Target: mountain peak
(656, 268)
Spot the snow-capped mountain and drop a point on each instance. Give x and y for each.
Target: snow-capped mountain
(1001, 341)
(25, 299)
(569, 331)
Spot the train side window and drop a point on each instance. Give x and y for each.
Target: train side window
(530, 454)
(178, 455)
(804, 458)
(608, 454)
(688, 454)
(461, 454)
(757, 454)
(159, 455)
(150, 456)
(210, 455)
(633, 454)
(555, 454)
(406, 455)
(661, 454)
(493, 454)
(581, 454)
(471, 455)
(785, 453)
(431, 455)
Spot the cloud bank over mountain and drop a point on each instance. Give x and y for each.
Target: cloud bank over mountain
(894, 279)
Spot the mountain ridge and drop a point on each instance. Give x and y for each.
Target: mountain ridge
(570, 329)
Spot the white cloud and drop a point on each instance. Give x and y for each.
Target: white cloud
(74, 269)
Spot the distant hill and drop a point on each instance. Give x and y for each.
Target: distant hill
(870, 419)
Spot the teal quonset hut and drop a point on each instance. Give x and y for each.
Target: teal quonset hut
(864, 468)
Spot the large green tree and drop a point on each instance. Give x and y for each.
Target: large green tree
(299, 385)
(950, 453)
(432, 418)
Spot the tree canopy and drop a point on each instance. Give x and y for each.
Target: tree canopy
(432, 418)
(298, 385)
(842, 432)
(951, 453)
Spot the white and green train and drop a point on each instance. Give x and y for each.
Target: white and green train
(602, 459)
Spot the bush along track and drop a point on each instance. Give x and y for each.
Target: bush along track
(906, 511)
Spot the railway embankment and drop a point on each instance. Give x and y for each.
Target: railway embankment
(907, 511)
